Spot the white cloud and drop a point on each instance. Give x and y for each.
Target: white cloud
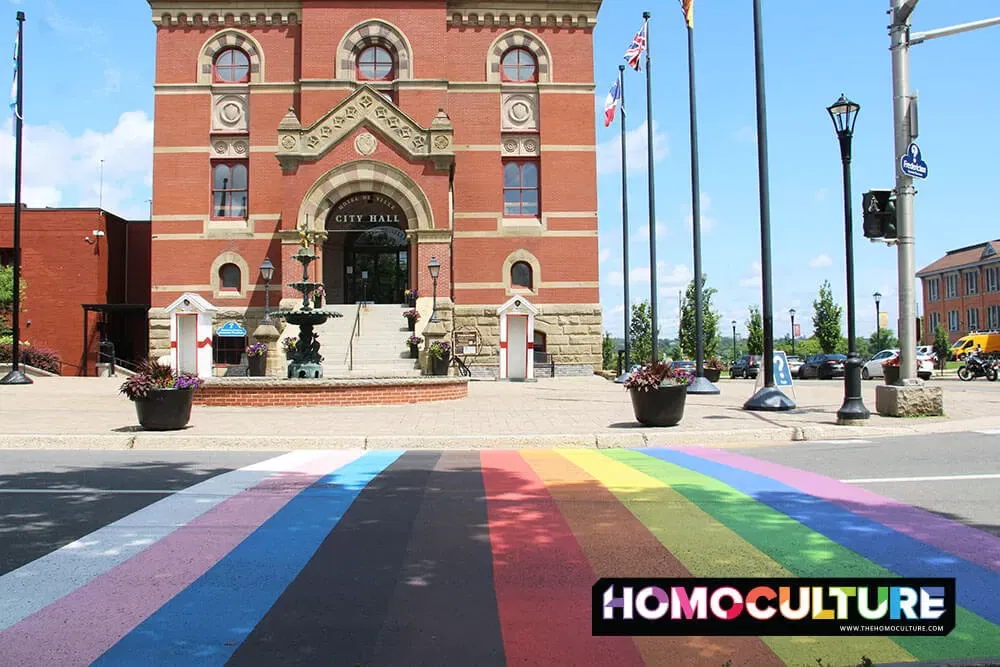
(754, 276)
(820, 261)
(641, 234)
(60, 169)
(616, 278)
(609, 153)
(604, 256)
(708, 223)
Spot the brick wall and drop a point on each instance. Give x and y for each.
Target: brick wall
(263, 393)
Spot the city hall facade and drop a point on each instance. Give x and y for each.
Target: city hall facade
(406, 130)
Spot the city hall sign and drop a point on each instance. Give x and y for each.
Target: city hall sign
(365, 210)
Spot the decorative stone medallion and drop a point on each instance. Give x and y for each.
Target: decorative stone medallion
(520, 145)
(233, 147)
(519, 111)
(441, 142)
(230, 113)
(365, 144)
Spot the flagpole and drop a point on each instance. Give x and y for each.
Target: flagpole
(15, 376)
(625, 268)
(652, 196)
(700, 385)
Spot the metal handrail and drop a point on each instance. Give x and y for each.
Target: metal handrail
(355, 331)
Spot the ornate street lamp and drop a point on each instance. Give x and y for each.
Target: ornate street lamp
(791, 313)
(267, 272)
(878, 321)
(844, 114)
(434, 267)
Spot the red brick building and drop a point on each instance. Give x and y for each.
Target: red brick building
(962, 291)
(405, 129)
(85, 273)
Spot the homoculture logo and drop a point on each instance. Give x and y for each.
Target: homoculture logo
(815, 606)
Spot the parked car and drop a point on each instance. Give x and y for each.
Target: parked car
(927, 351)
(747, 366)
(685, 365)
(823, 366)
(873, 367)
(794, 364)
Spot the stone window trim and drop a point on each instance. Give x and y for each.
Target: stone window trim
(215, 276)
(519, 38)
(374, 32)
(521, 255)
(226, 39)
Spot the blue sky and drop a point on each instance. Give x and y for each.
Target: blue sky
(88, 97)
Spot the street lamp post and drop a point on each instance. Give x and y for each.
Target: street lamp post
(844, 114)
(267, 272)
(734, 341)
(434, 267)
(878, 321)
(791, 313)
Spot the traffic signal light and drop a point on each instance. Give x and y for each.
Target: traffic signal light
(879, 209)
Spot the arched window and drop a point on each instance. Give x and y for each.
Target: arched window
(520, 275)
(229, 189)
(231, 66)
(376, 63)
(519, 66)
(520, 188)
(229, 277)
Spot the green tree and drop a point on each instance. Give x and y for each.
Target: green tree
(641, 328)
(941, 346)
(826, 319)
(709, 321)
(7, 299)
(609, 351)
(755, 332)
(883, 339)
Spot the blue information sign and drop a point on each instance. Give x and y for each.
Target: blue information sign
(912, 163)
(231, 330)
(782, 374)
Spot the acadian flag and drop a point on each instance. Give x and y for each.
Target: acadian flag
(611, 103)
(634, 53)
(688, 7)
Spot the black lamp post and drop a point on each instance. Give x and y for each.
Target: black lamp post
(434, 267)
(734, 341)
(878, 321)
(844, 114)
(791, 313)
(267, 272)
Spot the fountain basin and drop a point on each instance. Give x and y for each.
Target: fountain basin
(280, 392)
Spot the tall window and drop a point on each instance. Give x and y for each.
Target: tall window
(519, 66)
(972, 318)
(229, 277)
(520, 188)
(992, 278)
(935, 321)
(231, 66)
(933, 289)
(952, 320)
(520, 275)
(993, 318)
(972, 283)
(375, 63)
(951, 286)
(229, 189)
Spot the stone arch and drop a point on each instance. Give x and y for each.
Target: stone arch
(521, 255)
(231, 37)
(526, 40)
(229, 257)
(374, 31)
(365, 176)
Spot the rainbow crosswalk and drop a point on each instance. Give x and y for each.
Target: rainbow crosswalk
(475, 558)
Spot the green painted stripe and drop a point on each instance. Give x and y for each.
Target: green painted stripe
(806, 553)
(708, 548)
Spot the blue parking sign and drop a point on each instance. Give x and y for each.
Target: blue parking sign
(782, 374)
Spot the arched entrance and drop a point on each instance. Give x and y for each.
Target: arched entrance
(366, 255)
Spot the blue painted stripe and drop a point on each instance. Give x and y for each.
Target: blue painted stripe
(206, 623)
(902, 554)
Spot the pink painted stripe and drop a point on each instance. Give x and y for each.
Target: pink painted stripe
(952, 537)
(80, 627)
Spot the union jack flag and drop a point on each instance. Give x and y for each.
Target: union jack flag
(634, 53)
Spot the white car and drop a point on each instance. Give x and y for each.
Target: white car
(873, 367)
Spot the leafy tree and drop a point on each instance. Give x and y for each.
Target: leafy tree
(709, 321)
(7, 299)
(755, 332)
(609, 351)
(826, 319)
(941, 345)
(641, 328)
(883, 339)
(676, 352)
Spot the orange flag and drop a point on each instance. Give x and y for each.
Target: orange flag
(688, 7)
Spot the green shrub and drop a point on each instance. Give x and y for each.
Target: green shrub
(43, 358)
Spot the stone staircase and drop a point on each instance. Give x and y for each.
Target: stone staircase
(379, 351)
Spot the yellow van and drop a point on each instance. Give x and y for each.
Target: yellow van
(989, 341)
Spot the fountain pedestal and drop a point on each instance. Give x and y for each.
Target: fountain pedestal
(305, 359)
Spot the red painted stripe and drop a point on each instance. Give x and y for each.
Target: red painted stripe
(531, 345)
(503, 345)
(541, 576)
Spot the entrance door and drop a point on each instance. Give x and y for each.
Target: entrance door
(187, 344)
(517, 347)
(379, 266)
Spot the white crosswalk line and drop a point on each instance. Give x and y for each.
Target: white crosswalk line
(936, 478)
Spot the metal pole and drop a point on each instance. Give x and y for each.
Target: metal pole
(769, 397)
(625, 262)
(652, 196)
(734, 341)
(853, 409)
(267, 300)
(434, 302)
(15, 376)
(878, 326)
(899, 35)
(700, 385)
(793, 335)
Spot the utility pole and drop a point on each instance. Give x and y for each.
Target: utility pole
(905, 132)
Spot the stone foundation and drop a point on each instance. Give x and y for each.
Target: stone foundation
(909, 401)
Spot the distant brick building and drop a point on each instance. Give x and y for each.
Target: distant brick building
(962, 291)
(406, 129)
(71, 274)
